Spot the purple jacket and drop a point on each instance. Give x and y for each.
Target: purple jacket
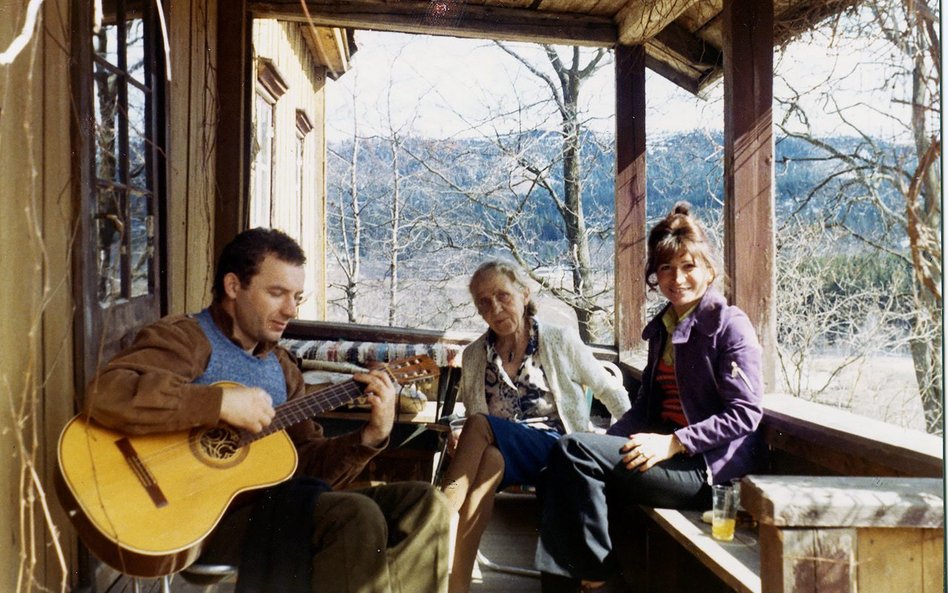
(718, 369)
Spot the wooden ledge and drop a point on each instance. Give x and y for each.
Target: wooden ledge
(332, 330)
(812, 501)
(849, 444)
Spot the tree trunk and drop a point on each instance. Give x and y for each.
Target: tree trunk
(573, 217)
(926, 344)
(395, 223)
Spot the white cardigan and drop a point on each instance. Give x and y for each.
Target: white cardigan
(569, 366)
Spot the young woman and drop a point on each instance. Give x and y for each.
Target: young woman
(522, 385)
(692, 424)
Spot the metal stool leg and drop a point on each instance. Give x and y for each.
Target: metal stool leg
(165, 584)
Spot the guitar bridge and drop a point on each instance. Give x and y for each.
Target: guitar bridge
(141, 471)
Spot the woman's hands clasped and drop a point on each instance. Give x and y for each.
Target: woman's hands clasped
(642, 451)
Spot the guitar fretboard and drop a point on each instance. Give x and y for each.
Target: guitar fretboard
(295, 411)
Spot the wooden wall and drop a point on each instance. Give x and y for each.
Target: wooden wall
(192, 127)
(36, 224)
(284, 45)
(38, 206)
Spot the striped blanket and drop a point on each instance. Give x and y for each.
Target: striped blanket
(444, 355)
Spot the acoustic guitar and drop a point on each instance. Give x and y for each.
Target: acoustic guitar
(144, 504)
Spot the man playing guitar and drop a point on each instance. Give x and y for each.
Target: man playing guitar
(384, 538)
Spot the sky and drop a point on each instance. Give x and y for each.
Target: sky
(441, 86)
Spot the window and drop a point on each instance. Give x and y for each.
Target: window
(120, 82)
(303, 127)
(270, 87)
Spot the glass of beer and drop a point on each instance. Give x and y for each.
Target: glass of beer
(723, 512)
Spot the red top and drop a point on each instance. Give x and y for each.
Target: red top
(668, 386)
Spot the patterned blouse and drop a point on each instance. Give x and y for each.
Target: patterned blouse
(526, 397)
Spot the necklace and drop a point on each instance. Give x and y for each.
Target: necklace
(510, 353)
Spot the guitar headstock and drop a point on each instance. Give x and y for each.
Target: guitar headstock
(412, 369)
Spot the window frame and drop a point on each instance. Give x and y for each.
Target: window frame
(104, 328)
(270, 87)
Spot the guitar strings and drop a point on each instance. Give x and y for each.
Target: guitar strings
(302, 408)
(288, 413)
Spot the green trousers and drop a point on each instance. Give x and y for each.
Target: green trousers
(384, 539)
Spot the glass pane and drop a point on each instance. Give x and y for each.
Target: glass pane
(105, 44)
(109, 226)
(141, 237)
(137, 146)
(135, 50)
(105, 99)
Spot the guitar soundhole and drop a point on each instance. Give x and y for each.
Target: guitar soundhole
(218, 446)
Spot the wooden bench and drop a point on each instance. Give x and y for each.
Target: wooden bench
(842, 492)
(736, 564)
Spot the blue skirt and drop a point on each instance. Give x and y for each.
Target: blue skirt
(525, 450)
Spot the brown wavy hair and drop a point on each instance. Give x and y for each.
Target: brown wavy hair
(678, 231)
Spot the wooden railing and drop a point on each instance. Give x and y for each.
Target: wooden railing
(816, 439)
(335, 330)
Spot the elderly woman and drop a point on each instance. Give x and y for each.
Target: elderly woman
(523, 386)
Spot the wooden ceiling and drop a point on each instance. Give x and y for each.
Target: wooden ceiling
(683, 38)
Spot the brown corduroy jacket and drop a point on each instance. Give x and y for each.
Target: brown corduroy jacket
(148, 388)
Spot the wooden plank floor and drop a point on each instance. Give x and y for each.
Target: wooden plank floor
(510, 539)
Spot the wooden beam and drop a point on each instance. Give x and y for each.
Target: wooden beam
(328, 46)
(845, 501)
(676, 45)
(640, 20)
(448, 18)
(749, 247)
(630, 197)
(233, 148)
(675, 73)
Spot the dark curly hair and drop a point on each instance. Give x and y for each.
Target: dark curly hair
(245, 252)
(676, 232)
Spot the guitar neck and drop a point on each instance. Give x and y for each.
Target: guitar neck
(300, 409)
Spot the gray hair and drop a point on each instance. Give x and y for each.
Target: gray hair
(512, 271)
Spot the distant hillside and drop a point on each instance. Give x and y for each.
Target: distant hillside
(684, 166)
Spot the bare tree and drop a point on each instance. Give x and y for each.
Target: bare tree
(381, 213)
(502, 206)
(347, 247)
(885, 192)
(565, 86)
(395, 139)
(838, 310)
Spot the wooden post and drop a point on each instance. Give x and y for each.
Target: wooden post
(848, 534)
(630, 197)
(749, 245)
(233, 124)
